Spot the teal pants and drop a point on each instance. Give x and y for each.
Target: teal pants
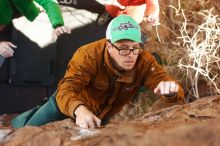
(40, 115)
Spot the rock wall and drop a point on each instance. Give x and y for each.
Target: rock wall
(197, 123)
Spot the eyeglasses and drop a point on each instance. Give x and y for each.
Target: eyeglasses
(124, 51)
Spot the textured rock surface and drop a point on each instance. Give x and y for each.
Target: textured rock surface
(196, 123)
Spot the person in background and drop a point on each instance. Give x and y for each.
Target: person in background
(10, 9)
(145, 12)
(102, 77)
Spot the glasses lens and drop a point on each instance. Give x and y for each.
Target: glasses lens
(124, 52)
(136, 51)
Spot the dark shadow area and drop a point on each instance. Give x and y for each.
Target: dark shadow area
(26, 76)
(30, 64)
(15, 99)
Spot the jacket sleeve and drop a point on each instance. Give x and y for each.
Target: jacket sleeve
(80, 71)
(152, 7)
(53, 11)
(6, 12)
(155, 73)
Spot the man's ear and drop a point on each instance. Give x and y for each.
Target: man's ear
(109, 47)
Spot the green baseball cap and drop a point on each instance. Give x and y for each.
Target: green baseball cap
(123, 27)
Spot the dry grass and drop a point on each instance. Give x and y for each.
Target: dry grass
(202, 49)
(181, 21)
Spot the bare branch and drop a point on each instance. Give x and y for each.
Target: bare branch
(203, 47)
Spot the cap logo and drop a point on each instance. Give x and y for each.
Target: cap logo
(125, 26)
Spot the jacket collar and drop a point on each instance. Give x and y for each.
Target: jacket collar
(124, 76)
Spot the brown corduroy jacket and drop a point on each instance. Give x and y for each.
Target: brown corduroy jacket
(91, 80)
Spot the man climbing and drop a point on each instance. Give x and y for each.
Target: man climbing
(102, 77)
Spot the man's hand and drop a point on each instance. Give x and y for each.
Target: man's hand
(168, 88)
(85, 118)
(152, 19)
(6, 49)
(61, 30)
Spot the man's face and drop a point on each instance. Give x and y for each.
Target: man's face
(124, 53)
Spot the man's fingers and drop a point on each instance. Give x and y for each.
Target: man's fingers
(67, 29)
(7, 45)
(158, 90)
(6, 51)
(165, 88)
(85, 118)
(12, 45)
(91, 123)
(6, 48)
(6, 55)
(98, 122)
(64, 30)
(152, 19)
(58, 31)
(61, 30)
(83, 125)
(95, 122)
(10, 50)
(174, 87)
